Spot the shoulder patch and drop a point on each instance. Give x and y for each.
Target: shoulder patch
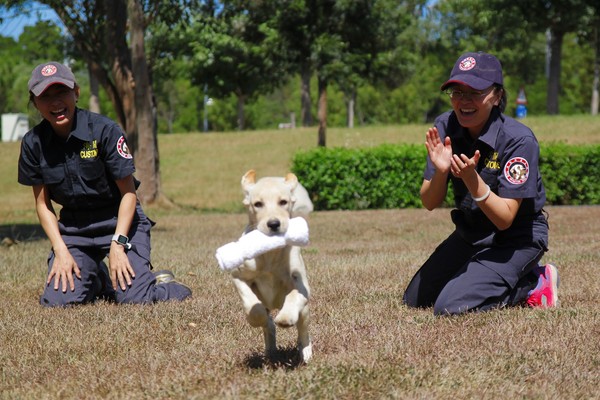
(516, 170)
(122, 148)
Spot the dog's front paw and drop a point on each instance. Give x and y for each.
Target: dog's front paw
(286, 319)
(306, 352)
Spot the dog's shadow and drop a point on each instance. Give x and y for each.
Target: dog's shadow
(287, 358)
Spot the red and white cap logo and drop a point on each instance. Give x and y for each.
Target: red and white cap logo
(467, 64)
(48, 70)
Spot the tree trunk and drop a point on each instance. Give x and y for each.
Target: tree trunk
(241, 122)
(101, 75)
(146, 160)
(305, 100)
(555, 47)
(596, 81)
(322, 113)
(351, 105)
(94, 96)
(120, 67)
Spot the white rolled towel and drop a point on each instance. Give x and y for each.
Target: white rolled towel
(255, 243)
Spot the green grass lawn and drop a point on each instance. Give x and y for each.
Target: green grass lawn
(367, 344)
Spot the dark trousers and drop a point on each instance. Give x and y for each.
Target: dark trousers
(89, 244)
(459, 277)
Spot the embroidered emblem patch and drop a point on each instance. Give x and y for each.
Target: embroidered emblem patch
(48, 70)
(123, 149)
(516, 170)
(467, 64)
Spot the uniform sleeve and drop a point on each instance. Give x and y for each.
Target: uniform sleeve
(30, 171)
(520, 169)
(117, 156)
(429, 168)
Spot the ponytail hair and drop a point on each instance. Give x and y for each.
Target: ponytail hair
(503, 99)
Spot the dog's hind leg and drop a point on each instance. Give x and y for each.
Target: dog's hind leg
(257, 315)
(270, 338)
(304, 343)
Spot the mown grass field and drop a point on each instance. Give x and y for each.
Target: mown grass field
(366, 343)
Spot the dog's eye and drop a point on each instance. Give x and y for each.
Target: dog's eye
(258, 204)
(283, 203)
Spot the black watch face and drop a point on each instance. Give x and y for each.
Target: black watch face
(122, 239)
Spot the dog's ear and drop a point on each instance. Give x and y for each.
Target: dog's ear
(249, 177)
(248, 181)
(291, 180)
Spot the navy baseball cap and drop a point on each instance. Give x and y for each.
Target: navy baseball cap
(50, 73)
(476, 70)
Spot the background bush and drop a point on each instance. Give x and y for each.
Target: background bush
(571, 174)
(382, 177)
(390, 176)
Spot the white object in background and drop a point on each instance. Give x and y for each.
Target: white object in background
(14, 127)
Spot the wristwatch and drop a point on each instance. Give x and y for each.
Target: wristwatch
(122, 240)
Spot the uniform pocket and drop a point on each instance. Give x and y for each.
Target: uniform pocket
(94, 177)
(53, 175)
(91, 170)
(56, 183)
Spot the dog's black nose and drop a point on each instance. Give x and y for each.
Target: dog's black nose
(273, 224)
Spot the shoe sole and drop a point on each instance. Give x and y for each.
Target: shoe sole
(164, 276)
(555, 281)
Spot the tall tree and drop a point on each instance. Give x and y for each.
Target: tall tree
(231, 49)
(596, 82)
(556, 18)
(376, 49)
(44, 42)
(295, 22)
(590, 32)
(102, 32)
(37, 43)
(8, 73)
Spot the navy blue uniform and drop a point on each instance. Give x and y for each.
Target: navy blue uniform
(479, 267)
(79, 174)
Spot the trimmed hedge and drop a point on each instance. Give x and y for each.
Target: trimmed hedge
(571, 174)
(390, 176)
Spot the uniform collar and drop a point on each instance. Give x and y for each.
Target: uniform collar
(492, 128)
(81, 131)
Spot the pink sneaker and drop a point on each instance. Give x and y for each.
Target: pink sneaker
(545, 294)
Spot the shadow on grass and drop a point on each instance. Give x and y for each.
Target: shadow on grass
(21, 233)
(285, 358)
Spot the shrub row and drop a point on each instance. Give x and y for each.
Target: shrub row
(390, 176)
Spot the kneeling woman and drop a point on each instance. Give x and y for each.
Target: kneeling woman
(80, 160)
(491, 259)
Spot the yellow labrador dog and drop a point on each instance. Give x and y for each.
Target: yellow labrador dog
(276, 279)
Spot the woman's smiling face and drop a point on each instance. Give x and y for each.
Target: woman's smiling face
(473, 107)
(57, 105)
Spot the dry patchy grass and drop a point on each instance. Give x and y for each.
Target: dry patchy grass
(367, 344)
